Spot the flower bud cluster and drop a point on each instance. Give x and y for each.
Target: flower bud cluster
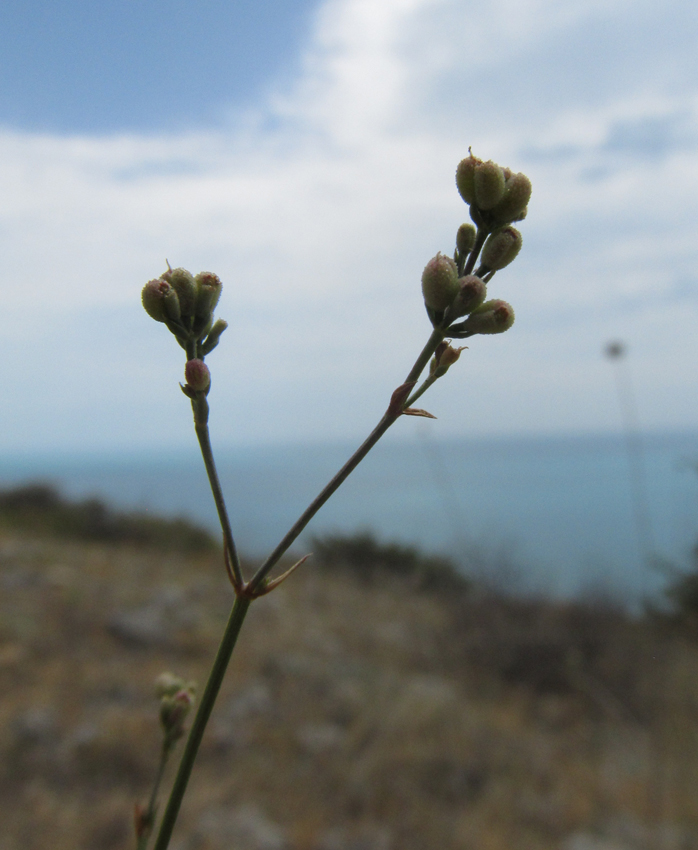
(176, 699)
(495, 195)
(185, 303)
(454, 288)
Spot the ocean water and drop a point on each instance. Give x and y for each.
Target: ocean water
(564, 515)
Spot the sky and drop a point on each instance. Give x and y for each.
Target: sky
(306, 153)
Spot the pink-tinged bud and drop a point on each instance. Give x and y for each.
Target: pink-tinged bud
(439, 282)
(492, 317)
(153, 298)
(183, 283)
(489, 184)
(501, 248)
(471, 294)
(167, 685)
(209, 291)
(173, 713)
(465, 178)
(512, 206)
(198, 376)
(465, 238)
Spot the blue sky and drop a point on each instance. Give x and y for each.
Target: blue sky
(306, 153)
(107, 67)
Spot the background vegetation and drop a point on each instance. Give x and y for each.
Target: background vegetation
(400, 707)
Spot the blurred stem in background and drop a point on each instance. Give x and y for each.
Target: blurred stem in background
(616, 352)
(658, 785)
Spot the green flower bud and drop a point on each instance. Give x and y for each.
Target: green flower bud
(173, 712)
(167, 685)
(214, 334)
(492, 317)
(512, 206)
(153, 298)
(465, 177)
(183, 283)
(465, 238)
(172, 309)
(489, 184)
(439, 282)
(501, 248)
(197, 375)
(471, 294)
(209, 291)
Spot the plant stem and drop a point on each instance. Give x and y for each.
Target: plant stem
(375, 435)
(201, 426)
(152, 803)
(208, 698)
(417, 393)
(437, 337)
(246, 592)
(479, 242)
(386, 421)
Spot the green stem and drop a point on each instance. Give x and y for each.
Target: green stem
(152, 803)
(424, 387)
(436, 338)
(387, 420)
(208, 698)
(482, 234)
(321, 498)
(243, 600)
(200, 408)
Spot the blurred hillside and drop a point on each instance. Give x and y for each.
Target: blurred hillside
(367, 708)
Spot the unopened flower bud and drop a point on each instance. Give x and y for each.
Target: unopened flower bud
(512, 206)
(471, 294)
(198, 376)
(439, 282)
(465, 178)
(214, 334)
(492, 317)
(465, 238)
(153, 298)
(489, 184)
(173, 712)
(172, 308)
(209, 291)
(501, 248)
(167, 685)
(183, 283)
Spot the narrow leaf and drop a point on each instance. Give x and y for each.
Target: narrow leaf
(417, 411)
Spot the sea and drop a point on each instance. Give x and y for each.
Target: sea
(600, 516)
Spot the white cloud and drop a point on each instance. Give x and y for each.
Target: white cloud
(319, 211)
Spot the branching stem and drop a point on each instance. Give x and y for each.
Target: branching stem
(208, 698)
(246, 592)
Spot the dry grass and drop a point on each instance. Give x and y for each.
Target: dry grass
(354, 716)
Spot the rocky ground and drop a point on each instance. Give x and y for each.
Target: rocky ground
(358, 714)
